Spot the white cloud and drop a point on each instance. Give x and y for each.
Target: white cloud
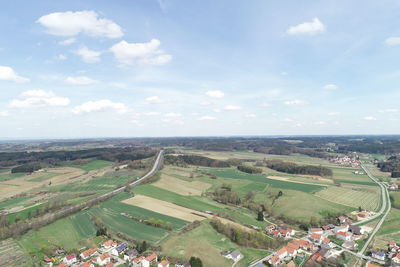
(265, 105)
(284, 73)
(216, 110)
(175, 122)
(205, 103)
(173, 115)
(369, 118)
(87, 22)
(100, 105)
(389, 110)
(231, 107)
(392, 41)
(153, 100)
(87, 55)
(140, 53)
(39, 98)
(319, 123)
(8, 74)
(333, 113)
(309, 28)
(206, 118)
(61, 57)
(287, 120)
(68, 41)
(250, 115)
(117, 84)
(330, 87)
(79, 80)
(152, 113)
(295, 103)
(215, 94)
(4, 113)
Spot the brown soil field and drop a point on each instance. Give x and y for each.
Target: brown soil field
(170, 209)
(195, 188)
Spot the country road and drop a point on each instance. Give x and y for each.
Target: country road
(63, 212)
(385, 209)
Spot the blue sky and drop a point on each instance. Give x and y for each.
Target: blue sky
(175, 68)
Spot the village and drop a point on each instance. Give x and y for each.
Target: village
(327, 244)
(109, 254)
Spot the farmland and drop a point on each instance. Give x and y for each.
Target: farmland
(367, 198)
(89, 166)
(209, 243)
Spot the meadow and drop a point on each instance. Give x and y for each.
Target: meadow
(92, 165)
(209, 243)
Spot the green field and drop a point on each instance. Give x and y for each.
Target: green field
(95, 184)
(68, 233)
(10, 176)
(92, 165)
(260, 178)
(353, 197)
(13, 202)
(208, 245)
(43, 177)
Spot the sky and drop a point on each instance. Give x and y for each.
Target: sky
(135, 68)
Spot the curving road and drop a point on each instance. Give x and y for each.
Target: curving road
(385, 209)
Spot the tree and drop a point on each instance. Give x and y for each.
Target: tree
(195, 262)
(260, 216)
(359, 209)
(142, 247)
(280, 193)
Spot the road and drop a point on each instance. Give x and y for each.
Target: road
(63, 212)
(385, 209)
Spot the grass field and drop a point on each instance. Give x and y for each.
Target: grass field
(260, 178)
(390, 230)
(68, 233)
(92, 165)
(353, 197)
(208, 245)
(12, 255)
(180, 186)
(10, 176)
(13, 202)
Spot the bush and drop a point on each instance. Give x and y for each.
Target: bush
(249, 169)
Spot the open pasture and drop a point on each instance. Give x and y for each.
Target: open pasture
(89, 166)
(260, 178)
(208, 246)
(26, 182)
(11, 254)
(166, 208)
(180, 186)
(353, 197)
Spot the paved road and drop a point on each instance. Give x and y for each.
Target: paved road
(51, 217)
(385, 209)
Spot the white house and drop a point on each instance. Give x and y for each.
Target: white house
(103, 259)
(149, 260)
(233, 255)
(70, 259)
(377, 254)
(344, 236)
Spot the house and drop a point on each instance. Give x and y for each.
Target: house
(63, 264)
(372, 265)
(233, 255)
(396, 258)
(270, 228)
(291, 264)
(357, 230)
(344, 236)
(88, 253)
(70, 259)
(110, 264)
(163, 263)
(109, 244)
(394, 187)
(349, 245)
(377, 254)
(357, 237)
(87, 264)
(137, 262)
(119, 249)
(274, 260)
(342, 228)
(282, 253)
(316, 238)
(103, 259)
(291, 252)
(152, 258)
(319, 231)
(304, 244)
(342, 219)
(131, 254)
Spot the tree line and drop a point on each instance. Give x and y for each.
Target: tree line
(293, 168)
(184, 160)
